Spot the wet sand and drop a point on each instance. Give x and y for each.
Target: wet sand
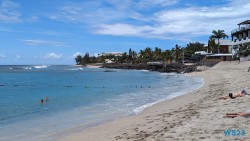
(195, 116)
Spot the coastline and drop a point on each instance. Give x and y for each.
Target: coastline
(197, 115)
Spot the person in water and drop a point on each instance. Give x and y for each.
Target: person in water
(47, 98)
(234, 95)
(42, 101)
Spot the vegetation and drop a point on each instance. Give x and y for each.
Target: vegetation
(212, 46)
(245, 50)
(176, 54)
(218, 35)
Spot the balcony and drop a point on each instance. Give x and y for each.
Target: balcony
(241, 29)
(241, 41)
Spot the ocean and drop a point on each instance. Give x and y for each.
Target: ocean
(79, 98)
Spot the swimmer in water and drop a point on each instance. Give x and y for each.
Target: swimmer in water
(47, 98)
(42, 101)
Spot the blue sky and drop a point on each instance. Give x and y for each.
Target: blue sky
(54, 31)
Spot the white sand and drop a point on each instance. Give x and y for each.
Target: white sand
(93, 66)
(192, 117)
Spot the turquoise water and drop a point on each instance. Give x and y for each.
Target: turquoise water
(78, 98)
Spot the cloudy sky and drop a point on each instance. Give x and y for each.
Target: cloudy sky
(54, 31)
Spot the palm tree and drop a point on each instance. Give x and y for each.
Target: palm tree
(148, 53)
(218, 35)
(176, 51)
(141, 54)
(134, 55)
(157, 54)
(212, 46)
(166, 55)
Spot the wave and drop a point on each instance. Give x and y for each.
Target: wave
(27, 68)
(40, 67)
(171, 96)
(20, 68)
(75, 69)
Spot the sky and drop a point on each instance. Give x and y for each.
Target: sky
(55, 31)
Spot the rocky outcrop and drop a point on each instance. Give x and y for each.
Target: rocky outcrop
(174, 67)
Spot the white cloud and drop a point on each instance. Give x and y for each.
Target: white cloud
(87, 12)
(122, 29)
(44, 43)
(136, 19)
(9, 13)
(53, 56)
(147, 3)
(76, 54)
(183, 23)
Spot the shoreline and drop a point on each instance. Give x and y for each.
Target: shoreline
(170, 119)
(140, 109)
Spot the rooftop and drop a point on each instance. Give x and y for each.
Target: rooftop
(245, 22)
(241, 29)
(220, 54)
(224, 42)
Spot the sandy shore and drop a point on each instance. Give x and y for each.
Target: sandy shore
(192, 117)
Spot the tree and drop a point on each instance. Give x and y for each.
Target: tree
(141, 54)
(157, 55)
(167, 55)
(218, 35)
(192, 48)
(78, 59)
(148, 53)
(123, 58)
(86, 59)
(245, 50)
(134, 55)
(212, 46)
(176, 51)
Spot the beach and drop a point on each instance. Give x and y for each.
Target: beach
(195, 116)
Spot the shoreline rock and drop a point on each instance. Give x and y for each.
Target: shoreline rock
(169, 68)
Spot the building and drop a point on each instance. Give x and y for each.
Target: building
(111, 53)
(218, 57)
(226, 46)
(230, 48)
(212, 59)
(241, 34)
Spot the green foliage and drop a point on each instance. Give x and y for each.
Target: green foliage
(212, 46)
(78, 60)
(192, 48)
(157, 54)
(144, 56)
(177, 51)
(245, 50)
(218, 35)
